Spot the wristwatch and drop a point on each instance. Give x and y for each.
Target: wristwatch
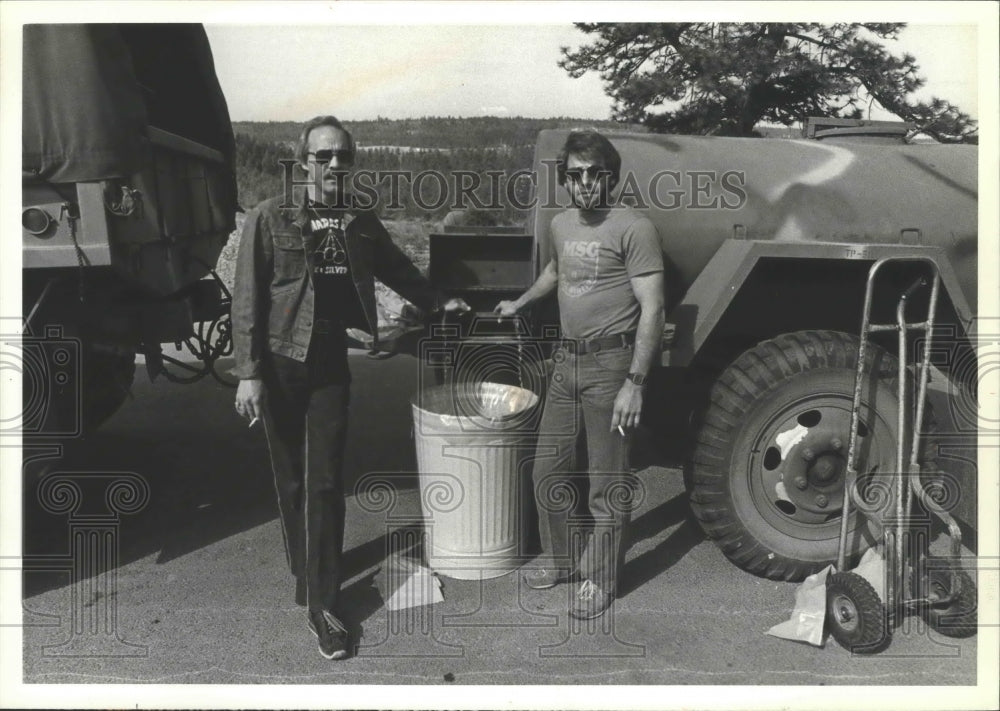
(637, 379)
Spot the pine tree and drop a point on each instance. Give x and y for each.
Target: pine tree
(725, 78)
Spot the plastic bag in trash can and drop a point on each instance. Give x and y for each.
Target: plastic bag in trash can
(486, 401)
(496, 401)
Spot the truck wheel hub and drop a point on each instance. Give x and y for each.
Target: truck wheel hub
(826, 469)
(813, 476)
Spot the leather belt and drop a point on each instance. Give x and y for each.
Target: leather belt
(605, 343)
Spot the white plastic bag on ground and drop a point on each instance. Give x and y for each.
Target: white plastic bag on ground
(809, 613)
(872, 569)
(404, 582)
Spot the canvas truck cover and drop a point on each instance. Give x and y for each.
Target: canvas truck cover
(90, 90)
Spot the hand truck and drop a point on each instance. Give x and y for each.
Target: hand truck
(943, 593)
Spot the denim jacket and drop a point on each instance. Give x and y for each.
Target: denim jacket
(273, 297)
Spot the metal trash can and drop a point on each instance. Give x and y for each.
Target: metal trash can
(474, 448)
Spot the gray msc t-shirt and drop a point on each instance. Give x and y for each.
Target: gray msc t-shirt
(596, 258)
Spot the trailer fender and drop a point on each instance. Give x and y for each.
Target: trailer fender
(715, 290)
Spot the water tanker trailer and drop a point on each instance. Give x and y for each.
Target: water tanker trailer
(768, 245)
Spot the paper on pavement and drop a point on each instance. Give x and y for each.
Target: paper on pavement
(406, 583)
(809, 613)
(872, 569)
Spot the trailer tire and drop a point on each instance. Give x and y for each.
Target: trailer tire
(768, 467)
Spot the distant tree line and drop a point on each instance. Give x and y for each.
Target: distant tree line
(258, 173)
(430, 132)
(465, 152)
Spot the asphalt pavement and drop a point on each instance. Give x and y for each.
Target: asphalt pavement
(198, 590)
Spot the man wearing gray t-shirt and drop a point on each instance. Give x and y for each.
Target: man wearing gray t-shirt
(606, 262)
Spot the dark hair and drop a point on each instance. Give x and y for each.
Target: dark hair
(591, 145)
(302, 149)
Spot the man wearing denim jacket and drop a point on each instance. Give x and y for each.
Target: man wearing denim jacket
(606, 262)
(304, 274)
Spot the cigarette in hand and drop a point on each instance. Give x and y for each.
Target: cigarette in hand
(255, 420)
(621, 431)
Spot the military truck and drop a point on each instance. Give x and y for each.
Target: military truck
(768, 245)
(128, 197)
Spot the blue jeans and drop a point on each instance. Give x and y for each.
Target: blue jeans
(580, 401)
(305, 419)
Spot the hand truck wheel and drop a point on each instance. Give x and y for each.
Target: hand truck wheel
(957, 618)
(855, 616)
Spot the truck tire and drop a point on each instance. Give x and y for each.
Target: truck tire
(100, 374)
(769, 463)
(83, 405)
(107, 382)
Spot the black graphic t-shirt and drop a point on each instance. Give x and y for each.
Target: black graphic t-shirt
(336, 297)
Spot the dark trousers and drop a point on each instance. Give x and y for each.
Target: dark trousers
(580, 401)
(305, 420)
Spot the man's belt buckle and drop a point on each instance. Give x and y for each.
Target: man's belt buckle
(620, 340)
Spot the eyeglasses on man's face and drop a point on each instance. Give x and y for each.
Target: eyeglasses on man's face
(591, 171)
(344, 156)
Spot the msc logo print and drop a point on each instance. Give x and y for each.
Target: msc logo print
(581, 249)
(578, 274)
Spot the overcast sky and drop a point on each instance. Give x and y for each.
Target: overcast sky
(400, 71)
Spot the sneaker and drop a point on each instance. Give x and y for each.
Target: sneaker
(543, 579)
(590, 601)
(331, 633)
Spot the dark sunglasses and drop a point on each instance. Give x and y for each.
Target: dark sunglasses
(593, 172)
(326, 155)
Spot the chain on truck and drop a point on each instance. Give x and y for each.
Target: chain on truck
(128, 197)
(768, 245)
